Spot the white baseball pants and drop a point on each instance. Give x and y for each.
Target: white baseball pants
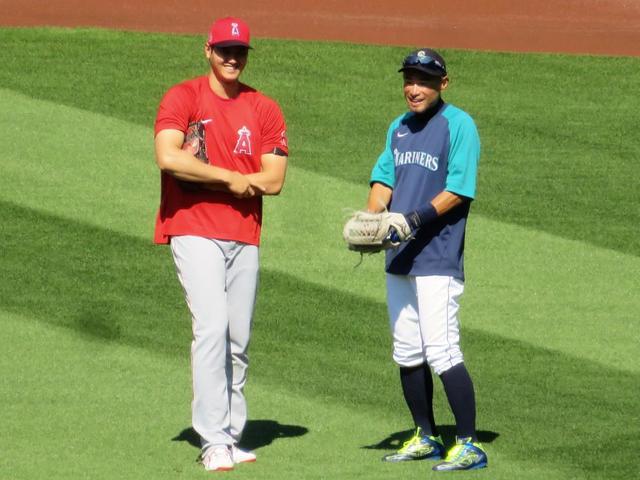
(220, 281)
(423, 316)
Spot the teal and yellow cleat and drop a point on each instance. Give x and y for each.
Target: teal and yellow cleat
(465, 455)
(418, 447)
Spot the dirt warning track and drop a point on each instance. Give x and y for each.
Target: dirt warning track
(610, 27)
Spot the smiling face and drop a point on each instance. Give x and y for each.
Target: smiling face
(422, 91)
(227, 63)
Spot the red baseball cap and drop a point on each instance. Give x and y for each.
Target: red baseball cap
(229, 32)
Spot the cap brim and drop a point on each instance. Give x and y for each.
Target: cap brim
(231, 43)
(436, 72)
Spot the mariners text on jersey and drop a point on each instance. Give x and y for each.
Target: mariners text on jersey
(419, 158)
(424, 155)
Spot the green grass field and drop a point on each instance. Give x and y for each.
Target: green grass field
(95, 370)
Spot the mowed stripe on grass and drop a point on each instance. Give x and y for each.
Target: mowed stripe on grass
(80, 406)
(320, 326)
(522, 284)
(558, 132)
(310, 356)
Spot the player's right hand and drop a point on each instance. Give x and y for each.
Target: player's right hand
(239, 185)
(257, 187)
(398, 227)
(393, 236)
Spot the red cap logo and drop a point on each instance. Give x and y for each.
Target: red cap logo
(229, 31)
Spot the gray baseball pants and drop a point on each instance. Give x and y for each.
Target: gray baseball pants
(220, 280)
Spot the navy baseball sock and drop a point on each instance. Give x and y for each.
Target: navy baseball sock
(459, 389)
(417, 386)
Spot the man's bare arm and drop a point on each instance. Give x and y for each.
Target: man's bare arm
(445, 201)
(270, 180)
(379, 197)
(181, 164)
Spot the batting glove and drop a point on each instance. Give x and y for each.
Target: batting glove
(410, 222)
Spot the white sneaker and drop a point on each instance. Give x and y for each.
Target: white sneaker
(217, 459)
(242, 456)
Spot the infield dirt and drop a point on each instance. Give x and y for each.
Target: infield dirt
(610, 27)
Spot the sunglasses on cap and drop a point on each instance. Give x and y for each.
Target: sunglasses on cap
(424, 60)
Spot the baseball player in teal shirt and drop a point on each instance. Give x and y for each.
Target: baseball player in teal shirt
(427, 173)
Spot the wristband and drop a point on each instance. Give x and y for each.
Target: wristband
(421, 216)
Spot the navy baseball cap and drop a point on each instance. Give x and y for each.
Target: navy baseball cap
(425, 60)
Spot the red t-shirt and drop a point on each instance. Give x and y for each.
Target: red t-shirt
(236, 133)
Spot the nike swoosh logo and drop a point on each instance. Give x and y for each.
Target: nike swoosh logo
(400, 135)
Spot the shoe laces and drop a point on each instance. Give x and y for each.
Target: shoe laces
(460, 449)
(213, 453)
(417, 438)
(455, 453)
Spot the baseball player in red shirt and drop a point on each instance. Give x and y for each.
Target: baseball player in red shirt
(221, 146)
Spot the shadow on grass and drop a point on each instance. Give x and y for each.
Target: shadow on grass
(317, 342)
(448, 433)
(257, 434)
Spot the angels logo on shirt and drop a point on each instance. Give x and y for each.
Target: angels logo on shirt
(243, 145)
